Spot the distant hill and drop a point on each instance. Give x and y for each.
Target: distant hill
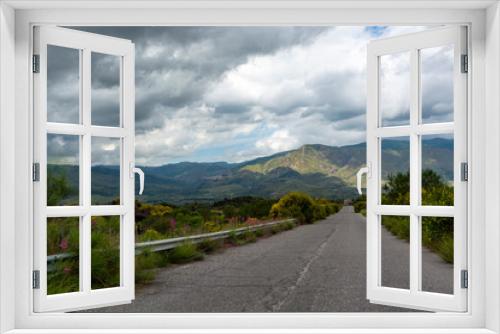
(320, 170)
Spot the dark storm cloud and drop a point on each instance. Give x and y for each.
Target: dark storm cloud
(63, 84)
(261, 89)
(175, 66)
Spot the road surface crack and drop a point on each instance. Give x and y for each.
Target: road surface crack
(302, 274)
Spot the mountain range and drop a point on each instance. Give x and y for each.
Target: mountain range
(320, 170)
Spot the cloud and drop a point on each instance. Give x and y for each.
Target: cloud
(234, 93)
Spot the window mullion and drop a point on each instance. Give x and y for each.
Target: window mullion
(415, 271)
(85, 248)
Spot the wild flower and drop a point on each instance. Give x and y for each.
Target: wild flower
(173, 224)
(64, 244)
(67, 270)
(251, 221)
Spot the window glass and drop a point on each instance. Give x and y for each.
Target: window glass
(394, 98)
(437, 170)
(437, 247)
(395, 255)
(395, 171)
(105, 90)
(63, 84)
(437, 84)
(105, 170)
(105, 252)
(63, 246)
(63, 169)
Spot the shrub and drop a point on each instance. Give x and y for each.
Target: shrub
(210, 245)
(64, 277)
(151, 235)
(398, 226)
(320, 212)
(276, 229)
(145, 263)
(105, 253)
(295, 205)
(359, 206)
(248, 236)
(288, 226)
(242, 238)
(187, 252)
(259, 233)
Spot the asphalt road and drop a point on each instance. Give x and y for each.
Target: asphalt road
(312, 268)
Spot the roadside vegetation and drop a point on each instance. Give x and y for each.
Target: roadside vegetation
(437, 232)
(163, 221)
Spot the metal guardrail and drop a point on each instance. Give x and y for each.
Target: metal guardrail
(166, 244)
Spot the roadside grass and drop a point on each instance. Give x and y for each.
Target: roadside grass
(148, 262)
(187, 252)
(209, 246)
(437, 232)
(440, 241)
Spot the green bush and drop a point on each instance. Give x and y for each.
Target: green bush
(437, 232)
(259, 233)
(359, 206)
(242, 238)
(319, 212)
(151, 235)
(249, 236)
(276, 229)
(399, 226)
(295, 205)
(187, 252)
(105, 253)
(145, 263)
(288, 226)
(445, 248)
(64, 277)
(210, 245)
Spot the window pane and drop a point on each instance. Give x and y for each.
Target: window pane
(395, 236)
(437, 170)
(395, 89)
(437, 84)
(395, 172)
(63, 84)
(105, 90)
(63, 238)
(437, 254)
(63, 169)
(105, 170)
(105, 257)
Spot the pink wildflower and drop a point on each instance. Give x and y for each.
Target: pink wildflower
(173, 224)
(64, 244)
(67, 270)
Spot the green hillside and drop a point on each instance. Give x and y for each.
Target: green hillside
(319, 170)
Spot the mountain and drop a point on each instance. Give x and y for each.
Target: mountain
(341, 162)
(320, 170)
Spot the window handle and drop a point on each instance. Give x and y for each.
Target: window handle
(135, 170)
(359, 175)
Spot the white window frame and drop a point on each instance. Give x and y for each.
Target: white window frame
(16, 20)
(376, 132)
(86, 43)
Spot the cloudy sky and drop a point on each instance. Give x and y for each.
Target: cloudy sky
(236, 93)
